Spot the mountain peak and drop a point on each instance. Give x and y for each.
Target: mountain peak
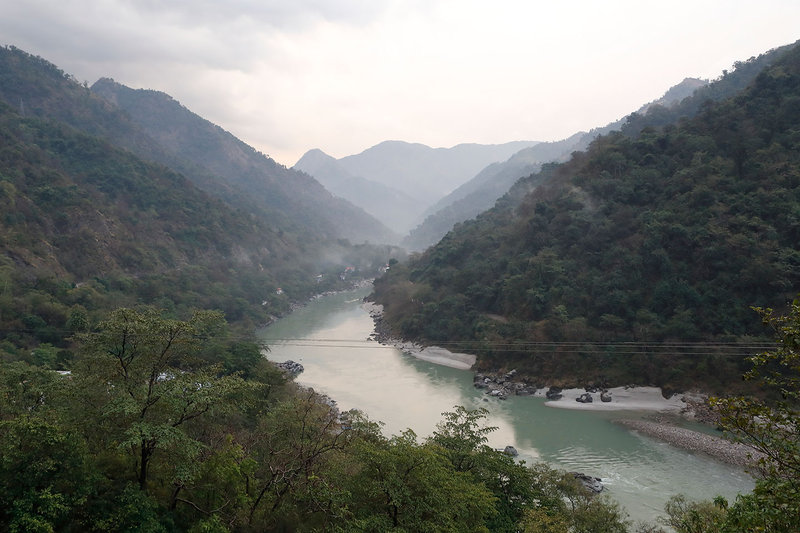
(313, 157)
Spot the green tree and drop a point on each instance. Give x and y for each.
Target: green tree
(141, 373)
(45, 475)
(563, 504)
(77, 319)
(23, 388)
(461, 437)
(404, 486)
(694, 517)
(288, 455)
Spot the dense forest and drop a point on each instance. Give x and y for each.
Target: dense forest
(168, 425)
(654, 237)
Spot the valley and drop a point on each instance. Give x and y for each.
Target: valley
(145, 248)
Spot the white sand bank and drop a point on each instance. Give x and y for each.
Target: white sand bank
(622, 398)
(437, 355)
(441, 356)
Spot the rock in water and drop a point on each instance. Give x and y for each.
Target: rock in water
(510, 450)
(593, 484)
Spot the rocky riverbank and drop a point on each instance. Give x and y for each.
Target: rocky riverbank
(504, 385)
(433, 354)
(501, 385)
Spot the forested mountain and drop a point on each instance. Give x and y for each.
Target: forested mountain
(482, 191)
(225, 166)
(671, 234)
(421, 174)
(88, 225)
(394, 208)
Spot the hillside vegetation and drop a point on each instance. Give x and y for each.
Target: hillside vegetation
(88, 225)
(226, 167)
(668, 235)
(480, 193)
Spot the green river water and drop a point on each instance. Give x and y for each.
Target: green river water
(330, 338)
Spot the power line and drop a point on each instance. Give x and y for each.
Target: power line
(555, 347)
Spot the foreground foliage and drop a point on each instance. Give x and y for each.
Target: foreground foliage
(174, 425)
(771, 426)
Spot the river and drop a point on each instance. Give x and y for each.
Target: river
(329, 337)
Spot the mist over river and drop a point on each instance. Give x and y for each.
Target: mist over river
(329, 337)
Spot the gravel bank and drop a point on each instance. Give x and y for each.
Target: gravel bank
(721, 449)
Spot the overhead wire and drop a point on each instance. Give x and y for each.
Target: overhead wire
(588, 347)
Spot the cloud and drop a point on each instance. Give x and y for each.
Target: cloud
(342, 75)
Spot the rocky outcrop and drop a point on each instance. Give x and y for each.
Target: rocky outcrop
(503, 385)
(554, 393)
(290, 367)
(510, 450)
(698, 409)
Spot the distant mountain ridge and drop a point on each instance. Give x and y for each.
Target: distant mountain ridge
(481, 192)
(412, 174)
(426, 172)
(395, 208)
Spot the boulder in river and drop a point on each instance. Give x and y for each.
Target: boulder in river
(510, 450)
(593, 484)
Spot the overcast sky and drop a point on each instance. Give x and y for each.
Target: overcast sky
(342, 75)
